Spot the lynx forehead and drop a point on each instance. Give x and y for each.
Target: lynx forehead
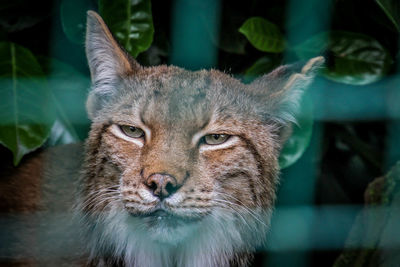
(181, 167)
(173, 96)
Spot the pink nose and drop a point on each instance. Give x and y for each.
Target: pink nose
(162, 185)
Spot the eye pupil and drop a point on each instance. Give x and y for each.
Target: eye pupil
(132, 131)
(215, 139)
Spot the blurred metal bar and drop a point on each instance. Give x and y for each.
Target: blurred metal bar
(52, 234)
(195, 24)
(341, 102)
(392, 150)
(304, 19)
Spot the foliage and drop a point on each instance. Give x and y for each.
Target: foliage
(74, 26)
(300, 138)
(130, 21)
(357, 59)
(263, 34)
(353, 58)
(24, 110)
(42, 97)
(392, 10)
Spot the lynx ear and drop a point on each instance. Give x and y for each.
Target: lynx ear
(283, 88)
(108, 62)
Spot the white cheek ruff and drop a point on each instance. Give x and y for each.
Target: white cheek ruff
(118, 133)
(230, 142)
(212, 242)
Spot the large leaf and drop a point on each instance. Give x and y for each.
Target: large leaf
(300, 138)
(130, 21)
(69, 90)
(356, 59)
(25, 109)
(392, 10)
(263, 35)
(73, 18)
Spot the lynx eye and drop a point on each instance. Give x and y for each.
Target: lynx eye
(132, 131)
(215, 139)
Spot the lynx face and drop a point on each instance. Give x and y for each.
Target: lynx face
(179, 160)
(181, 148)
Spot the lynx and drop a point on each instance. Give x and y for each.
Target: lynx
(180, 167)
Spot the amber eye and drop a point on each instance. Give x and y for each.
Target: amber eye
(132, 131)
(215, 139)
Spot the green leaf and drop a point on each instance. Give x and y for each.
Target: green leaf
(392, 11)
(357, 59)
(25, 109)
(131, 23)
(300, 138)
(73, 19)
(263, 35)
(69, 91)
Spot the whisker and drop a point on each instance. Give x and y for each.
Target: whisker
(236, 213)
(97, 198)
(237, 200)
(242, 208)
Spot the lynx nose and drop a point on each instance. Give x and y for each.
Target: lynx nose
(162, 185)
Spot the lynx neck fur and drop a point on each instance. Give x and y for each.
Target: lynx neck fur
(180, 167)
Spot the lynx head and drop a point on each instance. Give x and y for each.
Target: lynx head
(176, 157)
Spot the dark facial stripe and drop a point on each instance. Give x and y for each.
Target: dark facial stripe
(260, 163)
(93, 152)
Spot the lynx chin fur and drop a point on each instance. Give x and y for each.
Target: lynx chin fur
(180, 167)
